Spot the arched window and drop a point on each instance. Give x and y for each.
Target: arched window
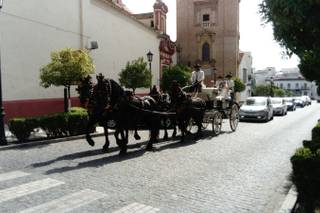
(206, 52)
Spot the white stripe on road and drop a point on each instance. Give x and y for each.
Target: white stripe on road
(67, 203)
(28, 188)
(137, 208)
(12, 175)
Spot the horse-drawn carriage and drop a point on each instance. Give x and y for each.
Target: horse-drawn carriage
(218, 107)
(115, 109)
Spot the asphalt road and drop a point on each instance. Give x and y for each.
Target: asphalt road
(244, 171)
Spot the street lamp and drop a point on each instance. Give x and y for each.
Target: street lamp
(150, 56)
(3, 140)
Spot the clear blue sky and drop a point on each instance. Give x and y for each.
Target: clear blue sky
(254, 37)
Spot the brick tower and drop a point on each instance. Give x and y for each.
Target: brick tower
(208, 33)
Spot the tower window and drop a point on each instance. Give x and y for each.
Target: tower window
(152, 24)
(206, 17)
(206, 52)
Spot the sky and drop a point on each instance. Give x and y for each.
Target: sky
(254, 36)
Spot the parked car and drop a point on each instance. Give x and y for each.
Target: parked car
(257, 108)
(306, 99)
(291, 105)
(279, 106)
(299, 102)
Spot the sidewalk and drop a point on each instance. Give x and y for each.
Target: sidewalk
(38, 136)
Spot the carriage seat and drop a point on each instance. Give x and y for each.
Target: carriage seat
(208, 93)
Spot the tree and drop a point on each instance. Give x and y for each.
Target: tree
(278, 92)
(179, 73)
(296, 27)
(136, 75)
(239, 86)
(67, 67)
(262, 90)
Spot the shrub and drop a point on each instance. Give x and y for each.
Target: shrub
(316, 133)
(239, 86)
(306, 177)
(179, 73)
(77, 122)
(22, 127)
(54, 125)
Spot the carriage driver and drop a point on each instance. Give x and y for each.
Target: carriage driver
(197, 78)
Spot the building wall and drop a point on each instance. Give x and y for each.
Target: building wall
(31, 29)
(221, 33)
(297, 86)
(246, 74)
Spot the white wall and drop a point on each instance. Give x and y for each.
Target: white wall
(121, 39)
(31, 29)
(246, 64)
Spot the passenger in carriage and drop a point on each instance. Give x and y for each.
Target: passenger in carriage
(197, 79)
(230, 85)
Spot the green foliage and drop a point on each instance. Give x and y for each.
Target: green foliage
(67, 67)
(22, 127)
(262, 90)
(136, 75)
(239, 86)
(55, 125)
(306, 172)
(316, 133)
(296, 27)
(278, 92)
(288, 93)
(179, 73)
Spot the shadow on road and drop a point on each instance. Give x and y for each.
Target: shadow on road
(134, 151)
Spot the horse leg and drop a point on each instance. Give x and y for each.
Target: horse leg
(91, 123)
(107, 143)
(153, 136)
(165, 137)
(136, 135)
(124, 142)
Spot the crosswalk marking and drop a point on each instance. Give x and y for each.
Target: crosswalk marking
(28, 188)
(67, 203)
(12, 175)
(137, 208)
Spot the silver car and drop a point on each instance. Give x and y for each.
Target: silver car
(257, 108)
(279, 106)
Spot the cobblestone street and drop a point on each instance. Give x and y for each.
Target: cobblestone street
(244, 171)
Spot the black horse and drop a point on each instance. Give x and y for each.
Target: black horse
(111, 103)
(99, 111)
(164, 105)
(187, 108)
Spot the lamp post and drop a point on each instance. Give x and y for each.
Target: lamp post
(3, 140)
(150, 56)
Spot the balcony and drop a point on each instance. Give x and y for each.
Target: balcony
(207, 24)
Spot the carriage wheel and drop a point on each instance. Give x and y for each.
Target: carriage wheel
(234, 117)
(216, 123)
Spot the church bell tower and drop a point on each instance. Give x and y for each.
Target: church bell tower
(208, 33)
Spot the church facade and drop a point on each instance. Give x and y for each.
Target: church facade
(208, 33)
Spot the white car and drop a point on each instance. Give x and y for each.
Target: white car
(256, 108)
(279, 106)
(306, 99)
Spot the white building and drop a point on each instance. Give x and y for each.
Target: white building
(246, 74)
(292, 80)
(262, 77)
(31, 30)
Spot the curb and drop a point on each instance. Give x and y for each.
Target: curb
(48, 141)
(289, 203)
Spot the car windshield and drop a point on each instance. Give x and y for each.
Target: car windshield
(256, 102)
(276, 101)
